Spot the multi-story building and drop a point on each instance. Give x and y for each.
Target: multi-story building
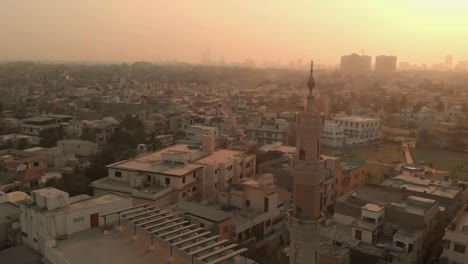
(177, 172)
(447, 194)
(34, 125)
(385, 64)
(382, 226)
(456, 239)
(22, 169)
(358, 130)
(355, 63)
(194, 133)
(267, 134)
(333, 135)
(51, 214)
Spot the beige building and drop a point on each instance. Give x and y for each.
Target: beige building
(456, 239)
(177, 172)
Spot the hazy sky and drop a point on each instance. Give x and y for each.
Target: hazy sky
(129, 30)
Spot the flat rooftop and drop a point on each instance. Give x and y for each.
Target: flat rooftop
(91, 202)
(220, 156)
(355, 118)
(92, 247)
(332, 250)
(147, 161)
(421, 185)
(207, 212)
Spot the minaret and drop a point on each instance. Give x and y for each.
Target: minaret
(305, 220)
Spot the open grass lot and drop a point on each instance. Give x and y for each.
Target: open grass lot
(385, 153)
(441, 159)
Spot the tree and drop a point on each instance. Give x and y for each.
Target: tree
(74, 184)
(23, 143)
(440, 106)
(88, 134)
(49, 137)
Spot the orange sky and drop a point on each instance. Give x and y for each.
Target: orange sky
(421, 31)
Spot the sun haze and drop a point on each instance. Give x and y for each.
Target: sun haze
(420, 31)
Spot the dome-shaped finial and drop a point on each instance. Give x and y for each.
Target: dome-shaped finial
(311, 81)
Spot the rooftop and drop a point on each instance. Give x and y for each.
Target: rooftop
(332, 250)
(355, 118)
(373, 207)
(422, 185)
(90, 202)
(147, 162)
(220, 156)
(207, 212)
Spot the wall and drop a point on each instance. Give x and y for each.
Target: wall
(53, 256)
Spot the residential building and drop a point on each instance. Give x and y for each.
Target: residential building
(447, 194)
(382, 226)
(22, 170)
(358, 130)
(267, 134)
(34, 125)
(333, 135)
(194, 133)
(51, 214)
(176, 173)
(455, 241)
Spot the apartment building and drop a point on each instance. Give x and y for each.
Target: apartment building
(358, 130)
(176, 173)
(455, 241)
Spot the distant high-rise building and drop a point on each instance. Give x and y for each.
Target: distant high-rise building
(385, 64)
(206, 56)
(355, 63)
(448, 61)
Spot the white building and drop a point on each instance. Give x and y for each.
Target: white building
(333, 135)
(268, 134)
(456, 239)
(195, 133)
(358, 130)
(52, 214)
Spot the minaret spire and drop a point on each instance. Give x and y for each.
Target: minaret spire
(305, 220)
(311, 81)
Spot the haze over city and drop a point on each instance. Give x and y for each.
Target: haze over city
(419, 31)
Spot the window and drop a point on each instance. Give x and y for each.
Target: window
(225, 229)
(194, 189)
(459, 248)
(446, 244)
(247, 203)
(400, 244)
(216, 171)
(36, 163)
(24, 234)
(167, 180)
(248, 165)
(183, 180)
(118, 174)
(358, 235)
(216, 186)
(78, 219)
(301, 154)
(148, 178)
(410, 248)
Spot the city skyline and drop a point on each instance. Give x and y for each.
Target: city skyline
(117, 31)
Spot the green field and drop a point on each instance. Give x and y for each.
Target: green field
(385, 153)
(441, 159)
